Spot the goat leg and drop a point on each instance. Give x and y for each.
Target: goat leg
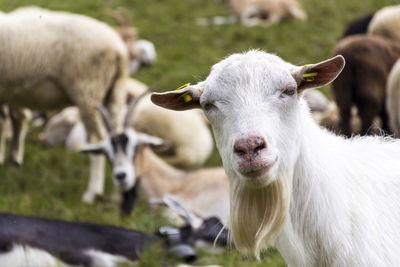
(19, 122)
(3, 131)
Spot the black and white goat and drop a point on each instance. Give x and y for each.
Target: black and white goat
(30, 241)
(204, 191)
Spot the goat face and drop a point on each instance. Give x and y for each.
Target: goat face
(252, 103)
(121, 151)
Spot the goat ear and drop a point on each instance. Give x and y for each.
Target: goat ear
(184, 98)
(93, 149)
(320, 74)
(145, 139)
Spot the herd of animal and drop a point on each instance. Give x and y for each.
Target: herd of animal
(296, 173)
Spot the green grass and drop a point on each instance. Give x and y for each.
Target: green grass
(51, 182)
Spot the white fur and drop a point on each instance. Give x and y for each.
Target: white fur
(70, 60)
(77, 137)
(25, 256)
(386, 23)
(96, 179)
(102, 259)
(393, 98)
(327, 200)
(177, 129)
(316, 100)
(145, 52)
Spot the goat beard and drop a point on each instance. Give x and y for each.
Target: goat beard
(257, 215)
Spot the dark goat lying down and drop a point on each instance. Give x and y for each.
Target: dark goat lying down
(33, 242)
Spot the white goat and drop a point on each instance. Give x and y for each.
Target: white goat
(393, 99)
(323, 200)
(386, 23)
(204, 191)
(176, 129)
(70, 60)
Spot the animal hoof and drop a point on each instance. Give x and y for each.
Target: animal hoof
(89, 197)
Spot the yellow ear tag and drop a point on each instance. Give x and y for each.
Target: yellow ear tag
(182, 86)
(310, 77)
(186, 97)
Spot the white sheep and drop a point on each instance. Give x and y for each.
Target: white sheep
(321, 199)
(253, 12)
(386, 23)
(393, 98)
(144, 53)
(70, 60)
(175, 128)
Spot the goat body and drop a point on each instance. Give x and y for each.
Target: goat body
(27, 241)
(31, 241)
(323, 200)
(203, 191)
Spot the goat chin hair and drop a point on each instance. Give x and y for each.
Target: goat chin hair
(257, 215)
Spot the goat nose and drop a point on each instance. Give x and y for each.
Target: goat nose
(249, 146)
(120, 176)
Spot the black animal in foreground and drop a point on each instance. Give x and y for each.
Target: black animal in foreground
(31, 241)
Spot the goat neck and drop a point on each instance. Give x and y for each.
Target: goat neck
(158, 177)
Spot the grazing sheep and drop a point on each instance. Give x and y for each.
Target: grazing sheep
(176, 129)
(321, 199)
(386, 23)
(142, 52)
(144, 55)
(70, 60)
(393, 99)
(204, 191)
(252, 12)
(363, 81)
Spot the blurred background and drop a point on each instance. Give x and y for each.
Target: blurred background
(52, 179)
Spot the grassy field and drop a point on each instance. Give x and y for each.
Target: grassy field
(51, 181)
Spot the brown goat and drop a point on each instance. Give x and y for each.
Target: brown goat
(363, 80)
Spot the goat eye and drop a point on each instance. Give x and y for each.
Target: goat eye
(208, 106)
(289, 91)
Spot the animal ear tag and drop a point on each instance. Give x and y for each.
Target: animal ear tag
(310, 77)
(186, 97)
